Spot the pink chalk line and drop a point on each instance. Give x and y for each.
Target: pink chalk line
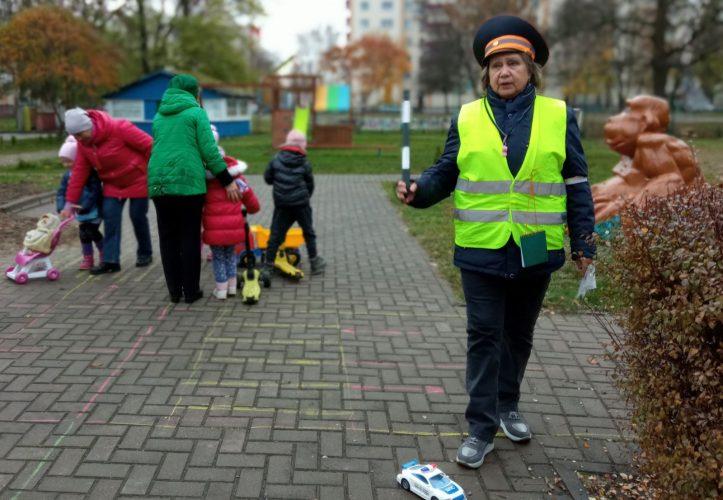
(111, 288)
(104, 386)
(164, 312)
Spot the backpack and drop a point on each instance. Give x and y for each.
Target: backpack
(40, 239)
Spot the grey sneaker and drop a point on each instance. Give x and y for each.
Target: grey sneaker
(318, 264)
(473, 451)
(515, 426)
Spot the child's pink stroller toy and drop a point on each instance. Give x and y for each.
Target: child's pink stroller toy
(31, 264)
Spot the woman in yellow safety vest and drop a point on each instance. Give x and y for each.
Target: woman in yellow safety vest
(514, 162)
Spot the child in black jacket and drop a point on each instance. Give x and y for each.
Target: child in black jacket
(293, 184)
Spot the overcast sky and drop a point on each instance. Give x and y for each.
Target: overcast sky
(285, 19)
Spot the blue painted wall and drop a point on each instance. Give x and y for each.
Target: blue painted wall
(235, 128)
(150, 107)
(225, 129)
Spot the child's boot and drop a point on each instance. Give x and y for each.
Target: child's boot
(318, 264)
(232, 285)
(86, 263)
(221, 290)
(265, 274)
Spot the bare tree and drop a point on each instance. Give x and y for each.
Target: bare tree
(442, 63)
(654, 42)
(312, 46)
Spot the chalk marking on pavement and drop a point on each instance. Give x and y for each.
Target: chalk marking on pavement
(194, 368)
(104, 386)
(45, 458)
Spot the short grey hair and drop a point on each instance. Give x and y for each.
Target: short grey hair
(534, 69)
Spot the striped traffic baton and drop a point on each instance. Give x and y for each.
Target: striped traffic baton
(406, 118)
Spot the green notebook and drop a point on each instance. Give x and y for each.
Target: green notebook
(533, 248)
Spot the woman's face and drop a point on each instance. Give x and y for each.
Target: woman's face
(85, 136)
(508, 74)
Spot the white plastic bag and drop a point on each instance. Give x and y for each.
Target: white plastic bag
(587, 282)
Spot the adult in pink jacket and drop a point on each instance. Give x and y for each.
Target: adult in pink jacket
(118, 151)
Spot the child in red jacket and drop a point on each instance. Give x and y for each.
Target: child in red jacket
(223, 226)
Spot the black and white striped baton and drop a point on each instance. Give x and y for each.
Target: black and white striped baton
(406, 118)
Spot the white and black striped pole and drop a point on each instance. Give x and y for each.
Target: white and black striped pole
(406, 118)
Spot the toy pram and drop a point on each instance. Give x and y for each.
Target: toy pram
(288, 256)
(34, 262)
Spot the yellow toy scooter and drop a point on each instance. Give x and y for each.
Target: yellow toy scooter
(288, 256)
(249, 276)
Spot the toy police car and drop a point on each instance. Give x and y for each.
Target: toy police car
(429, 482)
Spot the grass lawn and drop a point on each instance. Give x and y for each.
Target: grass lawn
(710, 157)
(373, 153)
(27, 145)
(43, 175)
(8, 124)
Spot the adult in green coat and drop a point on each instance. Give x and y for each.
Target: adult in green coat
(183, 148)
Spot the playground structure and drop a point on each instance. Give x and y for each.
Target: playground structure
(288, 95)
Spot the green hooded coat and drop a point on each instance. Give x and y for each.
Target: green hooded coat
(183, 144)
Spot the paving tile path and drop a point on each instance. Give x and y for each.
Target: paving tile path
(321, 390)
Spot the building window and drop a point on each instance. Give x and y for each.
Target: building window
(387, 23)
(215, 109)
(236, 107)
(364, 5)
(407, 23)
(364, 23)
(387, 5)
(124, 108)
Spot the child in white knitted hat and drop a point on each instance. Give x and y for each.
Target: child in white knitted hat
(88, 214)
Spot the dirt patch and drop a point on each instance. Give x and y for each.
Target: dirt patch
(12, 231)
(9, 192)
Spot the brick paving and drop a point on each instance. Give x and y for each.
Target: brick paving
(321, 390)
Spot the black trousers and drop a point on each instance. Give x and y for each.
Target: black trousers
(179, 235)
(501, 316)
(282, 220)
(89, 232)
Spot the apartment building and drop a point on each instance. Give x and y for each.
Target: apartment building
(397, 19)
(404, 22)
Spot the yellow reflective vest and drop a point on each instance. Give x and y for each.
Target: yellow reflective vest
(491, 204)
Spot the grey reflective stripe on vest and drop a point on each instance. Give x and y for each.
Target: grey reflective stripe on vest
(483, 187)
(539, 218)
(500, 187)
(481, 215)
(540, 188)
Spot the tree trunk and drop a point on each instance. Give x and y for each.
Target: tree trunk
(185, 7)
(144, 36)
(660, 62)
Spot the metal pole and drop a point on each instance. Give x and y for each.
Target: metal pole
(406, 118)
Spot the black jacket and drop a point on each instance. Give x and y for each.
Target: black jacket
(515, 118)
(290, 175)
